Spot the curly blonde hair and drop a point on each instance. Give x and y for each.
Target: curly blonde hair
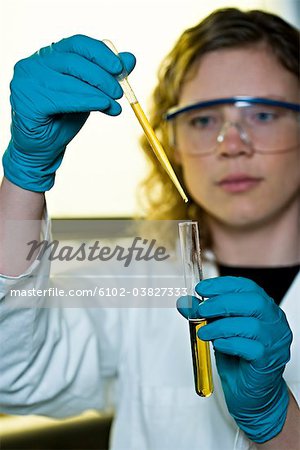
(224, 28)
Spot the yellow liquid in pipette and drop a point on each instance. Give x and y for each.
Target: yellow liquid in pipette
(156, 146)
(144, 122)
(201, 360)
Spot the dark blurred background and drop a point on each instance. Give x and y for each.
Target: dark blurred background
(91, 431)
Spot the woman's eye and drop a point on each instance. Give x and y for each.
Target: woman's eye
(202, 121)
(265, 116)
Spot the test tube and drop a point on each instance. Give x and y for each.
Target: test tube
(192, 268)
(145, 124)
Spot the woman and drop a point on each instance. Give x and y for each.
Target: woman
(226, 109)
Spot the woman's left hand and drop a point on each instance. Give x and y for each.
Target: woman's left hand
(251, 338)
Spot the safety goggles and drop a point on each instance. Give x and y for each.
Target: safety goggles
(264, 125)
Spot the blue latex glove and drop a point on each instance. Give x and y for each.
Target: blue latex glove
(252, 339)
(52, 94)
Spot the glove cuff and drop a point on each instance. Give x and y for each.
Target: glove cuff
(21, 171)
(269, 421)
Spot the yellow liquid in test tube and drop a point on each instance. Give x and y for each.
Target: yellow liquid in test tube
(201, 360)
(192, 270)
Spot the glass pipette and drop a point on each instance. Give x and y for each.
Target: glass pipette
(192, 268)
(145, 124)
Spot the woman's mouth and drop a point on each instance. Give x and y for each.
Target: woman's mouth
(239, 183)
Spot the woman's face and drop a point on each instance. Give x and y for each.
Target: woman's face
(234, 185)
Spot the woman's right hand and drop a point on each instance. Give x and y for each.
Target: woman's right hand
(52, 94)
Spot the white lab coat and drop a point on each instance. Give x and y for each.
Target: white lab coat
(59, 362)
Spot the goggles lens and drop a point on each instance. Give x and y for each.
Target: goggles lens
(266, 126)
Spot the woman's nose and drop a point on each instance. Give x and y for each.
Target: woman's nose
(233, 141)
